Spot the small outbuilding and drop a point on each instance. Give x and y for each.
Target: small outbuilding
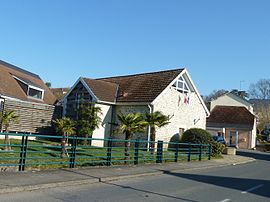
(236, 123)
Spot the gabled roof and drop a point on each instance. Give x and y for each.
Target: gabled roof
(235, 97)
(230, 115)
(10, 87)
(143, 87)
(103, 90)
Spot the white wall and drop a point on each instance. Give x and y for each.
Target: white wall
(1, 101)
(227, 100)
(254, 134)
(192, 115)
(104, 128)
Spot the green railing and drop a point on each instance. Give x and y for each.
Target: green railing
(44, 151)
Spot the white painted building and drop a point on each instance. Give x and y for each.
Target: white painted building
(172, 92)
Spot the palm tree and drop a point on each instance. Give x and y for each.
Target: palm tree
(64, 126)
(8, 117)
(155, 119)
(88, 119)
(130, 124)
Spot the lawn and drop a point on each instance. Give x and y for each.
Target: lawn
(44, 154)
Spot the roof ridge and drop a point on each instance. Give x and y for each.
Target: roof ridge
(11, 66)
(230, 106)
(242, 107)
(138, 74)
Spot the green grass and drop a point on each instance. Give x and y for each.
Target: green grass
(44, 154)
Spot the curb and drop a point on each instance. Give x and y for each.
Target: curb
(108, 179)
(46, 186)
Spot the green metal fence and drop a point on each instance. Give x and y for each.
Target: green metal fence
(44, 151)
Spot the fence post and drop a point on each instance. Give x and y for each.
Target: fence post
(21, 153)
(109, 152)
(209, 152)
(136, 152)
(24, 152)
(73, 151)
(159, 151)
(189, 151)
(176, 153)
(200, 155)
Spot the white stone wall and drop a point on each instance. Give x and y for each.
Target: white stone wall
(104, 128)
(226, 100)
(184, 115)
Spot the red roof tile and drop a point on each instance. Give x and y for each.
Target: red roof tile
(230, 115)
(141, 87)
(105, 91)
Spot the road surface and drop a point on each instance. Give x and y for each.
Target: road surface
(246, 182)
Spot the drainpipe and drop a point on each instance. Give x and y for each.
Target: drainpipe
(149, 127)
(3, 109)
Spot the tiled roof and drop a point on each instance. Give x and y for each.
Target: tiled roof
(139, 87)
(10, 87)
(230, 115)
(18, 69)
(105, 91)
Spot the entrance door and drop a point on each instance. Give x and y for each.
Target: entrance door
(234, 138)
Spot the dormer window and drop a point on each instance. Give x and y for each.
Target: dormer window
(30, 90)
(35, 92)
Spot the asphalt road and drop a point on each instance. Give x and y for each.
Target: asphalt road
(246, 182)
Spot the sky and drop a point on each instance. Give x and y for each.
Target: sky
(222, 43)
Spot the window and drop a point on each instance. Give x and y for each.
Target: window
(35, 93)
(29, 89)
(181, 85)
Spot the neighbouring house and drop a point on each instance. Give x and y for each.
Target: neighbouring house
(26, 94)
(59, 93)
(236, 123)
(230, 122)
(172, 92)
(231, 99)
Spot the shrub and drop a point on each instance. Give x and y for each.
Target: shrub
(197, 136)
(217, 149)
(200, 136)
(173, 144)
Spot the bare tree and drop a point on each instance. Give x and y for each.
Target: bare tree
(241, 93)
(213, 95)
(260, 97)
(260, 90)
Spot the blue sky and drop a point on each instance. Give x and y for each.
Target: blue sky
(220, 42)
